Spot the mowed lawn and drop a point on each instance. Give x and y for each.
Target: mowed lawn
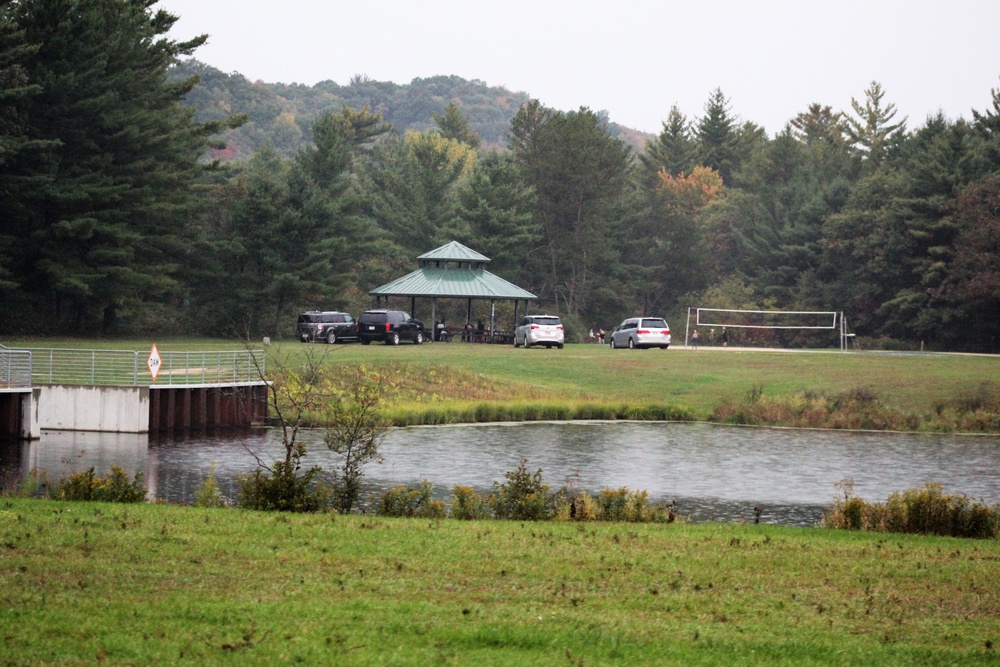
(102, 584)
(699, 380)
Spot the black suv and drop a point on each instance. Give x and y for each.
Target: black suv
(327, 326)
(390, 327)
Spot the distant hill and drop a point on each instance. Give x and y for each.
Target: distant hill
(281, 114)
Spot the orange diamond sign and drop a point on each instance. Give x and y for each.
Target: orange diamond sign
(153, 362)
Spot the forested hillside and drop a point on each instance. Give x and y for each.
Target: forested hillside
(281, 115)
(115, 221)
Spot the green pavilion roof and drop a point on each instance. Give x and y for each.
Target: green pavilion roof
(454, 271)
(453, 252)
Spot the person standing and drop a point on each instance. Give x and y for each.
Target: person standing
(694, 339)
(711, 336)
(725, 337)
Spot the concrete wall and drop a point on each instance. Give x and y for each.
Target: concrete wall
(87, 408)
(31, 429)
(23, 414)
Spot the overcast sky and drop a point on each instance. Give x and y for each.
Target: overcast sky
(632, 58)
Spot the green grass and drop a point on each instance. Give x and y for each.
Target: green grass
(699, 380)
(93, 583)
(450, 382)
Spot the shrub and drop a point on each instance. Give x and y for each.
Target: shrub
(116, 488)
(467, 504)
(523, 497)
(283, 490)
(927, 511)
(356, 431)
(34, 484)
(408, 501)
(571, 505)
(209, 494)
(858, 408)
(610, 505)
(614, 504)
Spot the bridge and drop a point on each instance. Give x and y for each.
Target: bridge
(115, 390)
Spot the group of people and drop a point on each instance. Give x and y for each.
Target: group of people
(469, 334)
(711, 338)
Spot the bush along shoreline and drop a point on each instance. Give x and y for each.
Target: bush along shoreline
(524, 496)
(860, 409)
(927, 511)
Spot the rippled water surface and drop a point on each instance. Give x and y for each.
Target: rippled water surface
(712, 472)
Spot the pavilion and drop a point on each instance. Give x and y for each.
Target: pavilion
(455, 271)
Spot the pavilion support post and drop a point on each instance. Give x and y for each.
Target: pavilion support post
(413, 306)
(434, 319)
(514, 325)
(468, 312)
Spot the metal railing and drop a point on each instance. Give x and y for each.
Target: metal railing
(129, 368)
(15, 368)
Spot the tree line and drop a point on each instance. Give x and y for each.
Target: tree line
(117, 222)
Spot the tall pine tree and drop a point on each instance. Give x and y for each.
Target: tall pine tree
(717, 136)
(580, 176)
(102, 235)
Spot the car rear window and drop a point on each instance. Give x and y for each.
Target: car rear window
(305, 319)
(655, 323)
(377, 318)
(547, 321)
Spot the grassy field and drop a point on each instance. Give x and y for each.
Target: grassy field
(92, 583)
(455, 379)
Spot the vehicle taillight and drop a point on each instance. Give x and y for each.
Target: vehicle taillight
(534, 326)
(388, 328)
(642, 332)
(666, 332)
(559, 327)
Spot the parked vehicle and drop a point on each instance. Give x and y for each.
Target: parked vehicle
(390, 327)
(544, 330)
(638, 332)
(329, 326)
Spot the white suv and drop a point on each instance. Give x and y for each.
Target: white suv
(641, 332)
(544, 330)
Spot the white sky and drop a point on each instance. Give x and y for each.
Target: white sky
(632, 58)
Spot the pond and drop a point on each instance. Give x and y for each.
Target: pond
(713, 473)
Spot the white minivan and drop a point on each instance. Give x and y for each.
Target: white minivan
(544, 330)
(638, 332)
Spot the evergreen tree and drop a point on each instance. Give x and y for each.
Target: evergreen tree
(663, 252)
(15, 144)
(454, 125)
(409, 185)
(795, 186)
(987, 124)
(971, 289)
(103, 232)
(872, 132)
(673, 149)
(288, 234)
(716, 132)
(935, 162)
(818, 124)
(497, 205)
(580, 176)
(866, 247)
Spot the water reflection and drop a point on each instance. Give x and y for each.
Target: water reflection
(713, 473)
